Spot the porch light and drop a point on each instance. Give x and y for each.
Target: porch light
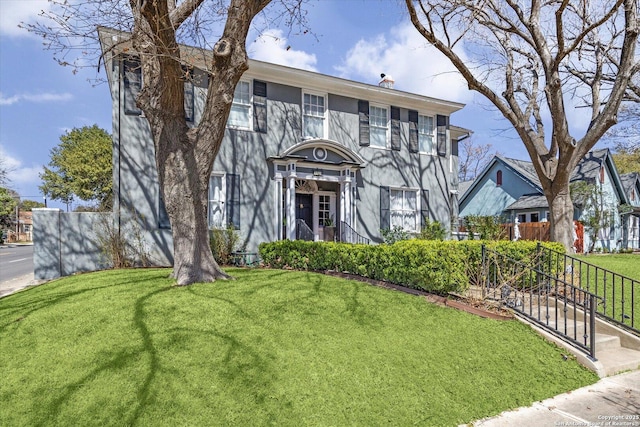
(317, 172)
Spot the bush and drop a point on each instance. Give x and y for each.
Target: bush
(395, 234)
(223, 242)
(434, 266)
(488, 227)
(432, 230)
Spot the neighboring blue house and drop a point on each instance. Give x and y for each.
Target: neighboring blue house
(302, 150)
(510, 188)
(631, 185)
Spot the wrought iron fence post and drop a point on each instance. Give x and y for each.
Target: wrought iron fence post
(592, 325)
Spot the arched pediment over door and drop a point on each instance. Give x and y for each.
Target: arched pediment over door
(323, 151)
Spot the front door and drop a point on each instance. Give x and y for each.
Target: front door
(304, 208)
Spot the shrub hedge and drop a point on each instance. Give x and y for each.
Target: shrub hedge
(434, 266)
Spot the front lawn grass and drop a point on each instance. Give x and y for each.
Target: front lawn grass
(624, 264)
(273, 347)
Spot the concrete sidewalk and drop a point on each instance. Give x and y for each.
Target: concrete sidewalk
(612, 401)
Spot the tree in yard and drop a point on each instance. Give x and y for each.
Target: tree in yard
(626, 139)
(8, 202)
(473, 158)
(529, 59)
(27, 205)
(4, 170)
(184, 155)
(80, 166)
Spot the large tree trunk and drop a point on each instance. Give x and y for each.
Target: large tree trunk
(185, 199)
(561, 215)
(184, 156)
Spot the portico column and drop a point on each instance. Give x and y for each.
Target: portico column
(278, 208)
(291, 207)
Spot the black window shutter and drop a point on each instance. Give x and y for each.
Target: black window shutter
(424, 206)
(163, 216)
(413, 131)
(233, 200)
(395, 128)
(363, 114)
(259, 106)
(454, 148)
(443, 126)
(132, 77)
(385, 209)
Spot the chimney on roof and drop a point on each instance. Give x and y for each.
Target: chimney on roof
(386, 81)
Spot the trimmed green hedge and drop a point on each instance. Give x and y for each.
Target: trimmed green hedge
(434, 266)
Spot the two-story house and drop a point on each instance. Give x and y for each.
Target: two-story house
(302, 152)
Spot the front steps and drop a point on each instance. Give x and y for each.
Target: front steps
(616, 349)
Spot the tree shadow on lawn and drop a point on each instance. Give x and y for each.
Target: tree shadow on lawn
(17, 307)
(240, 366)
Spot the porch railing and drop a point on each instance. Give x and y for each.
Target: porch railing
(349, 235)
(549, 300)
(303, 232)
(620, 294)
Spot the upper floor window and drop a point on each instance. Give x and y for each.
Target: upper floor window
(314, 115)
(403, 208)
(426, 134)
(499, 178)
(379, 126)
(240, 115)
(632, 197)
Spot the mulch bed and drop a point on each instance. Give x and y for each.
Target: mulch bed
(477, 307)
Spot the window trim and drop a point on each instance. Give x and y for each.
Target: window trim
(249, 106)
(388, 126)
(434, 136)
(325, 116)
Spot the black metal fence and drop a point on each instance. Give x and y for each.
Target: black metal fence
(536, 291)
(349, 235)
(303, 232)
(620, 295)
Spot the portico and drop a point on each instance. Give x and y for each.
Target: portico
(315, 183)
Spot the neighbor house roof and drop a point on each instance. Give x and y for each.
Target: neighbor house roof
(629, 181)
(529, 201)
(588, 169)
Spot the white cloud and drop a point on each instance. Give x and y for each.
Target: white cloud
(14, 12)
(37, 98)
(415, 66)
(19, 173)
(271, 46)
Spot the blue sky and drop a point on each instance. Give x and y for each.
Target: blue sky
(354, 39)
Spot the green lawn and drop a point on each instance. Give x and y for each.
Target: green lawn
(273, 347)
(625, 264)
(621, 296)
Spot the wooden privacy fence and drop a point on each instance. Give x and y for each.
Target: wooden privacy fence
(541, 231)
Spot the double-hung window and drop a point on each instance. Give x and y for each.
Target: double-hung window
(216, 202)
(314, 111)
(379, 126)
(426, 134)
(404, 209)
(240, 115)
